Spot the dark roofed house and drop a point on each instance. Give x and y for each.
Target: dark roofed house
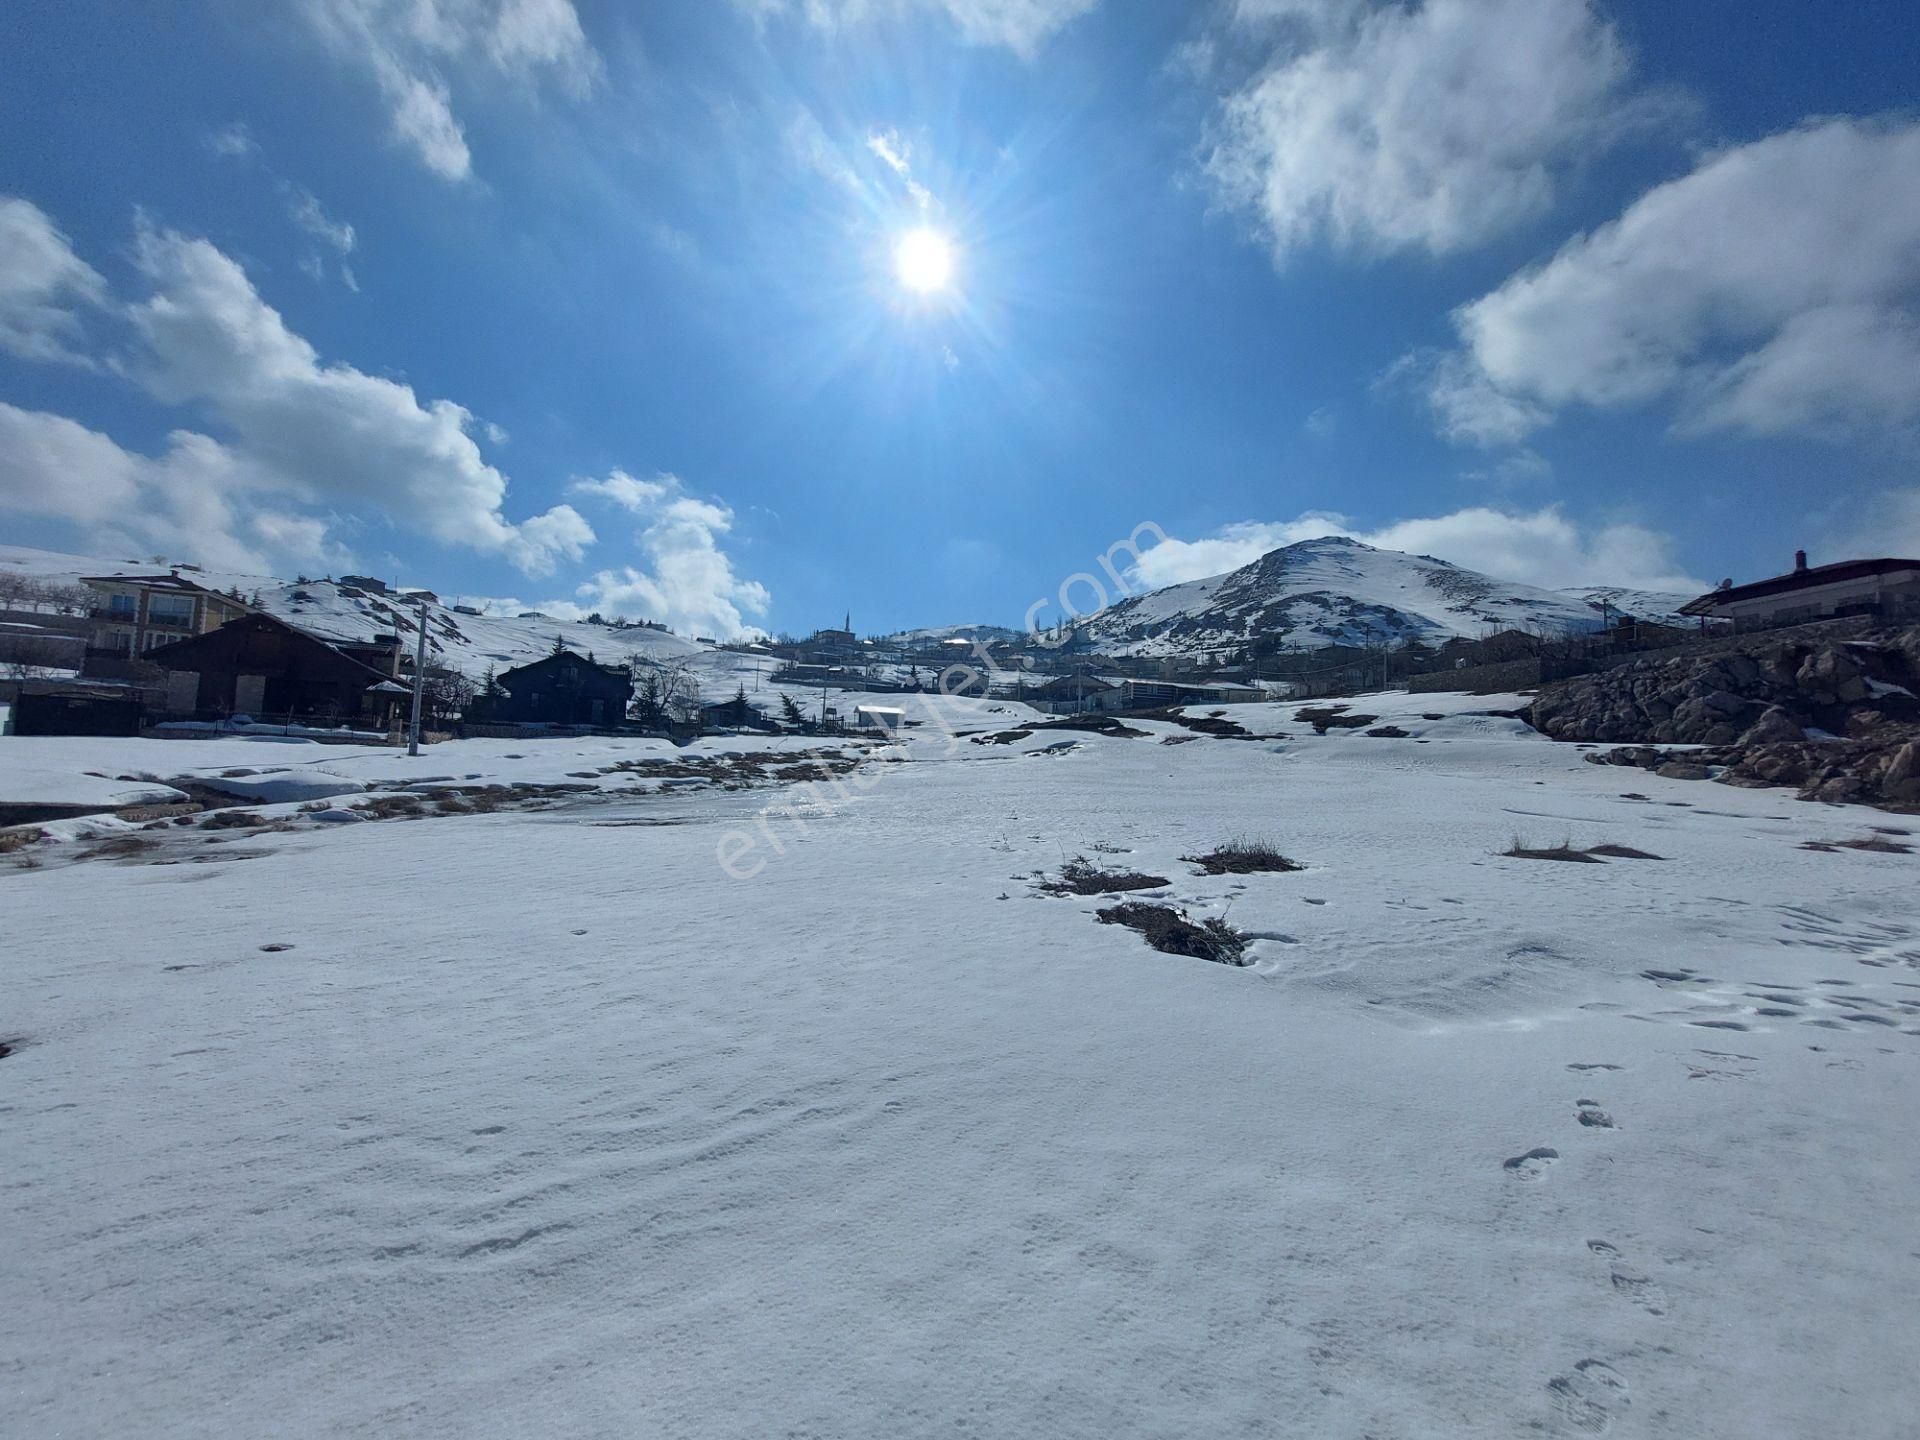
(739, 713)
(261, 666)
(563, 688)
(1888, 588)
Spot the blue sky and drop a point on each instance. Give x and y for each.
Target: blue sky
(596, 304)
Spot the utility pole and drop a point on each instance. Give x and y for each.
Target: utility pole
(419, 683)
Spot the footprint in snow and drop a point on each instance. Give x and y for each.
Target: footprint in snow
(1626, 1282)
(1588, 1399)
(1592, 1116)
(1533, 1164)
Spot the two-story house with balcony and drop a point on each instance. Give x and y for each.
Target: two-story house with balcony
(131, 614)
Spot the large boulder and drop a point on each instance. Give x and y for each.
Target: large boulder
(1775, 726)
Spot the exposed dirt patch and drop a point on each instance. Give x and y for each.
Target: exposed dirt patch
(1325, 717)
(1216, 725)
(1875, 844)
(1623, 852)
(119, 847)
(1389, 732)
(1094, 724)
(1002, 737)
(1171, 932)
(232, 820)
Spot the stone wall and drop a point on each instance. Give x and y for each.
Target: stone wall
(1480, 679)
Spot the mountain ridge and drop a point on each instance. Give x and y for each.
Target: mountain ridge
(1339, 591)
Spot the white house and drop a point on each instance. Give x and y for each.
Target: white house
(1886, 587)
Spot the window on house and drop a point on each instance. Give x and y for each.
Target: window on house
(124, 605)
(170, 610)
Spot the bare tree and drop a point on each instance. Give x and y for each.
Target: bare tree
(447, 695)
(664, 690)
(31, 659)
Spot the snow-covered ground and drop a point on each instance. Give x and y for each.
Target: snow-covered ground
(544, 1123)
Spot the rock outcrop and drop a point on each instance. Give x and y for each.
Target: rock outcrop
(1832, 710)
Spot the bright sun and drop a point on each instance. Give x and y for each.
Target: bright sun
(923, 260)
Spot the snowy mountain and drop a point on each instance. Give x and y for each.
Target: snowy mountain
(1661, 607)
(1336, 591)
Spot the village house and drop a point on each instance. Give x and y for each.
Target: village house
(1887, 588)
(132, 614)
(739, 713)
(262, 667)
(563, 688)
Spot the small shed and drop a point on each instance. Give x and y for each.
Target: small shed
(879, 719)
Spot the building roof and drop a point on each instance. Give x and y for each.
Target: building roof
(562, 654)
(161, 655)
(156, 582)
(1836, 573)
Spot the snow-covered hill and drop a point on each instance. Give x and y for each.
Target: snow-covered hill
(1660, 606)
(1336, 591)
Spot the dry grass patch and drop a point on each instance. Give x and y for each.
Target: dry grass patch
(1080, 876)
(1244, 857)
(1520, 850)
(19, 839)
(1171, 932)
(1567, 851)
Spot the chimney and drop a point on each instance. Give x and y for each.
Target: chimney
(1799, 561)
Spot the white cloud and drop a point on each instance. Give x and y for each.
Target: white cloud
(1885, 524)
(234, 141)
(1431, 126)
(198, 499)
(329, 434)
(310, 217)
(406, 46)
(1774, 289)
(301, 435)
(1022, 26)
(690, 582)
(1541, 547)
(895, 153)
(42, 282)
